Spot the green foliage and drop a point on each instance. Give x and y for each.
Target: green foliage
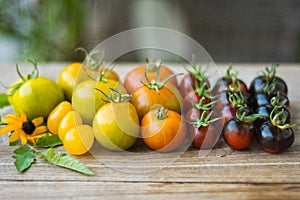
(23, 158)
(3, 100)
(47, 30)
(48, 141)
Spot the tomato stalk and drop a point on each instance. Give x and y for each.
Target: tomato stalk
(115, 96)
(197, 70)
(161, 113)
(201, 105)
(243, 114)
(278, 118)
(152, 66)
(204, 120)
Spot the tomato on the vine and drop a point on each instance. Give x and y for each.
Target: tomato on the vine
(36, 96)
(163, 130)
(116, 124)
(136, 75)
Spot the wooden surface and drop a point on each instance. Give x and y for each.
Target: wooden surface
(142, 174)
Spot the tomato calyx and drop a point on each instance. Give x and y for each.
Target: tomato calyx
(270, 73)
(245, 115)
(157, 84)
(197, 71)
(278, 118)
(115, 96)
(201, 105)
(204, 120)
(236, 97)
(93, 65)
(161, 113)
(275, 101)
(33, 75)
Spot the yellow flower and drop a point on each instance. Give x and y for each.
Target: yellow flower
(23, 129)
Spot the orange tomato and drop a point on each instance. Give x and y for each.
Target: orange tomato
(57, 114)
(135, 76)
(71, 120)
(67, 79)
(79, 140)
(163, 130)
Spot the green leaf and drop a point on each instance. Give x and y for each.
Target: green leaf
(3, 100)
(23, 158)
(14, 143)
(64, 160)
(49, 141)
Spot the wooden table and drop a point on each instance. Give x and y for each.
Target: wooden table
(249, 174)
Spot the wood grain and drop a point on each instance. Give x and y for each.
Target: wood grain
(143, 174)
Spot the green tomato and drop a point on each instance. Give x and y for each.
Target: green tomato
(37, 97)
(116, 126)
(86, 100)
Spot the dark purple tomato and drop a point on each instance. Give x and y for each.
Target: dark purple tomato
(282, 99)
(265, 111)
(260, 99)
(273, 139)
(237, 134)
(227, 113)
(224, 83)
(258, 83)
(188, 82)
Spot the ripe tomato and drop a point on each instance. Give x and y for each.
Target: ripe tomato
(67, 79)
(57, 114)
(70, 120)
(136, 75)
(116, 126)
(163, 130)
(87, 101)
(144, 99)
(112, 74)
(79, 140)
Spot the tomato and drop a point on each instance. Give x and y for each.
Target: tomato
(116, 125)
(70, 120)
(163, 130)
(136, 75)
(144, 99)
(57, 114)
(79, 140)
(112, 74)
(67, 79)
(189, 81)
(87, 101)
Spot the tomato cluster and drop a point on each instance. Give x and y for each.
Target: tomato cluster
(260, 112)
(153, 105)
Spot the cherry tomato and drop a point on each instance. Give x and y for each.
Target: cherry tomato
(79, 140)
(274, 139)
(189, 82)
(116, 126)
(136, 75)
(163, 130)
(67, 79)
(57, 114)
(70, 120)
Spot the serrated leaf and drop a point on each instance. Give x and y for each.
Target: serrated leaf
(64, 160)
(23, 158)
(49, 141)
(3, 100)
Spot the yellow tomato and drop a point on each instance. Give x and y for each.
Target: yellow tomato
(71, 120)
(79, 140)
(67, 79)
(57, 114)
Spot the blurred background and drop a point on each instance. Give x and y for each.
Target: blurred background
(230, 31)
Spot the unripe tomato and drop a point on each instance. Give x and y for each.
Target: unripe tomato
(116, 126)
(79, 140)
(163, 130)
(133, 78)
(37, 97)
(57, 114)
(67, 79)
(71, 120)
(87, 101)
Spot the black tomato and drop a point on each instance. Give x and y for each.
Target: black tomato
(274, 139)
(265, 111)
(188, 82)
(260, 99)
(226, 113)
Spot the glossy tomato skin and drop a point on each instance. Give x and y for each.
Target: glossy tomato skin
(273, 139)
(163, 135)
(257, 84)
(116, 126)
(189, 81)
(70, 121)
(238, 135)
(204, 137)
(134, 77)
(86, 100)
(67, 79)
(227, 113)
(224, 83)
(37, 97)
(57, 114)
(144, 99)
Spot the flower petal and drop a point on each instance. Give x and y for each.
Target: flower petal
(14, 136)
(38, 121)
(6, 129)
(40, 129)
(23, 138)
(23, 116)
